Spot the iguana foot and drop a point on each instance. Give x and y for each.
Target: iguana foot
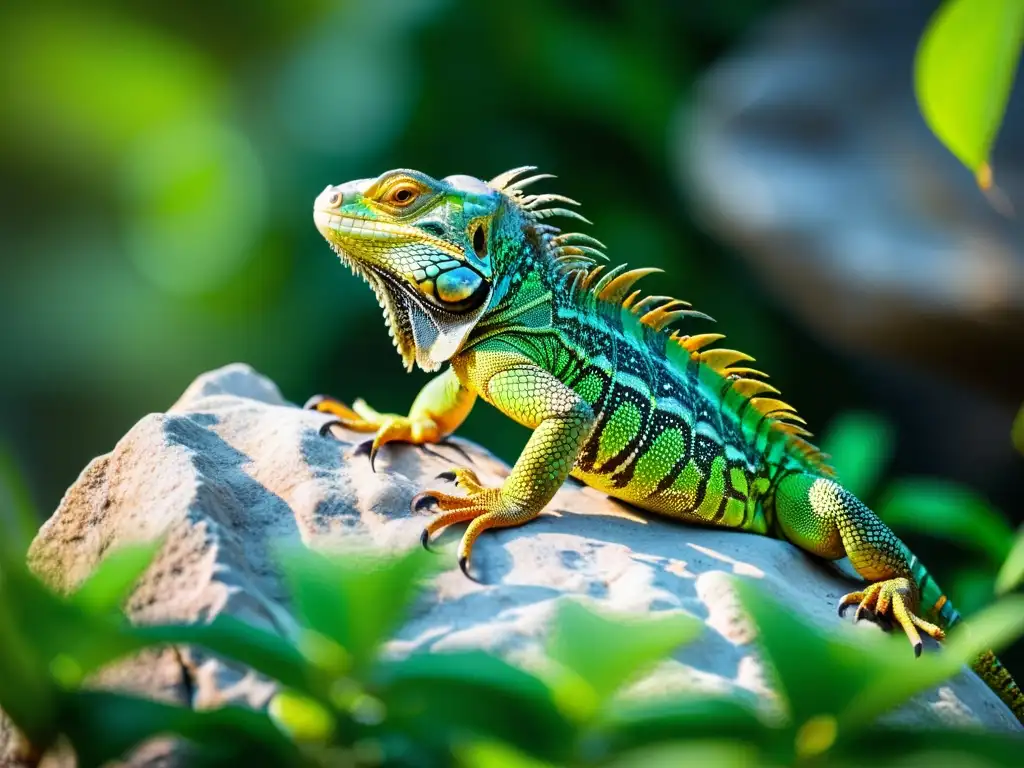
(388, 427)
(895, 598)
(486, 507)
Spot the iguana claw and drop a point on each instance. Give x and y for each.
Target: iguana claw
(895, 599)
(422, 500)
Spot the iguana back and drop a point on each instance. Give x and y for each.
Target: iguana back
(472, 273)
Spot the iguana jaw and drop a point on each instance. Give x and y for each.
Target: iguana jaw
(390, 256)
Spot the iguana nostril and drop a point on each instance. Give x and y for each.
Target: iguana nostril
(457, 284)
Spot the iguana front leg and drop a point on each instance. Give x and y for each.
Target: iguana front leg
(563, 421)
(822, 517)
(438, 410)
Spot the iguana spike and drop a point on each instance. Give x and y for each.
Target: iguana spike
(753, 387)
(532, 202)
(615, 290)
(502, 179)
(791, 429)
(628, 301)
(668, 317)
(591, 277)
(523, 183)
(648, 303)
(574, 258)
(547, 213)
(768, 405)
(701, 340)
(740, 371)
(580, 239)
(720, 359)
(607, 277)
(592, 252)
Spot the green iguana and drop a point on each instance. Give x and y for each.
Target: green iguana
(471, 273)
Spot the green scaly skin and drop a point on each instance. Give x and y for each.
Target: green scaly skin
(470, 273)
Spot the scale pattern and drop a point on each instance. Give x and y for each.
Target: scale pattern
(672, 423)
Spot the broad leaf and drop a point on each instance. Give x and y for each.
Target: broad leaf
(27, 693)
(442, 699)
(628, 724)
(965, 66)
(991, 629)
(606, 652)
(948, 510)
(234, 640)
(302, 718)
(104, 726)
(355, 600)
(1011, 573)
(935, 746)
(716, 754)
(114, 578)
(803, 656)
(494, 754)
(861, 446)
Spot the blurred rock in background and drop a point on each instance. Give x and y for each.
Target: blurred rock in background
(804, 149)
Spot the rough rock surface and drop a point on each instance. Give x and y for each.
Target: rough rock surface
(232, 469)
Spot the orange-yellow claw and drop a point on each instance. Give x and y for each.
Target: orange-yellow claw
(896, 599)
(484, 506)
(389, 427)
(345, 416)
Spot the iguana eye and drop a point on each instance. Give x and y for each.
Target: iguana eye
(402, 195)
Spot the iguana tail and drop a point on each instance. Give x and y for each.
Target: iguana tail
(986, 666)
(997, 677)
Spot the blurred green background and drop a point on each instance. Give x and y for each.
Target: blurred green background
(159, 163)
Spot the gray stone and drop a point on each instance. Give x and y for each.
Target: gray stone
(805, 150)
(231, 470)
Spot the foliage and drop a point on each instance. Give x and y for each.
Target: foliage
(861, 446)
(343, 702)
(966, 62)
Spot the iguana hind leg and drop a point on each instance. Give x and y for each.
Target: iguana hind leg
(824, 518)
(563, 422)
(440, 407)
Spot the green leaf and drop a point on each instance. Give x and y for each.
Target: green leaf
(945, 509)
(18, 516)
(235, 640)
(971, 589)
(964, 72)
(356, 600)
(629, 724)
(112, 581)
(606, 652)
(104, 726)
(717, 754)
(494, 754)
(64, 638)
(887, 686)
(302, 718)
(803, 656)
(27, 693)
(861, 446)
(438, 700)
(937, 746)
(1011, 574)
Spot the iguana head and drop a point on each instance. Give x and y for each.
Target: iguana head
(424, 246)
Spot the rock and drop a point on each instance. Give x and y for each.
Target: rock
(232, 469)
(805, 150)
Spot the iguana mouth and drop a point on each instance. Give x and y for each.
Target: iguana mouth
(415, 328)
